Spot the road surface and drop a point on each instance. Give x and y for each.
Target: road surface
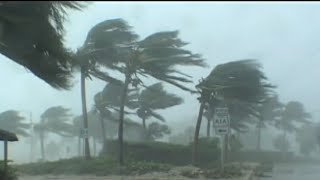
(295, 172)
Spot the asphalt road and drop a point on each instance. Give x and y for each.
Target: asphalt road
(295, 172)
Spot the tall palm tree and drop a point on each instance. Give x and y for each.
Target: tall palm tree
(235, 81)
(102, 111)
(91, 60)
(77, 123)
(294, 112)
(269, 111)
(152, 98)
(155, 56)
(31, 34)
(108, 100)
(53, 120)
(94, 124)
(12, 121)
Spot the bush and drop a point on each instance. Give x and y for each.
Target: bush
(137, 168)
(70, 166)
(160, 152)
(101, 166)
(11, 172)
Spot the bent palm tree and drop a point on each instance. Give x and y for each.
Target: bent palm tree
(270, 110)
(11, 121)
(156, 56)
(54, 120)
(153, 98)
(31, 34)
(231, 82)
(294, 112)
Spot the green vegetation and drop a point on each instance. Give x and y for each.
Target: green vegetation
(97, 166)
(32, 34)
(11, 172)
(160, 152)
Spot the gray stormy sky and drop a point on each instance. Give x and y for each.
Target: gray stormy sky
(285, 37)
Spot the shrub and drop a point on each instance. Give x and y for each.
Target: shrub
(11, 172)
(160, 152)
(101, 166)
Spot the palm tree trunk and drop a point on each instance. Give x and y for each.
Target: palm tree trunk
(103, 130)
(144, 123)
(79, 146)
(227, 149)
(284, 151)
(94, 146)
(84, 111)
(42, 145)
(196, 135)
(208, 127)
(121, 118)
(259, 135)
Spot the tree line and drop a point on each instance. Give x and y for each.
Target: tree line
(32, 35)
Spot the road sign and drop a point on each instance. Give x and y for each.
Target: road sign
(222, 130)
(221, 117)
(221, 122)
(84, 133)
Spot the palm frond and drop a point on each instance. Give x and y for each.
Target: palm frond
(104, 76)
(155, 97)
(157, 116)
(32, 36)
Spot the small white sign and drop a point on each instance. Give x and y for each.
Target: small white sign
(221, 117)
(222, 130)
(84, 133)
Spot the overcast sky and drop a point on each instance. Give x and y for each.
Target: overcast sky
(285, 37)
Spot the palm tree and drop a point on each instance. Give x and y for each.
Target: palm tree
(294, 112)
(153, 98)
(31, 34)
(53, 120)
(77, 125)
(12, 121)
(102, 111)
(91, 60)
(155, 56)
(156, 130)
(231, 82)
(307, 139)
(269, 111)
(94, 124)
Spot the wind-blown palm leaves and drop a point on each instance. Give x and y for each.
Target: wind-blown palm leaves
(294, 112)
(157, 56)
(307, 139)
(269, 111)
(11, 121)
(153, 98)
(156, 130)
(237, 81)
(31, 34)
(111, 97)
(54, 120)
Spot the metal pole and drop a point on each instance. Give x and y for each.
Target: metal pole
(222, 152)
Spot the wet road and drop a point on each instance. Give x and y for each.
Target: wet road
(295, 172)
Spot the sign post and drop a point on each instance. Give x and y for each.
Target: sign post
(221, 121)
(83, 132)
